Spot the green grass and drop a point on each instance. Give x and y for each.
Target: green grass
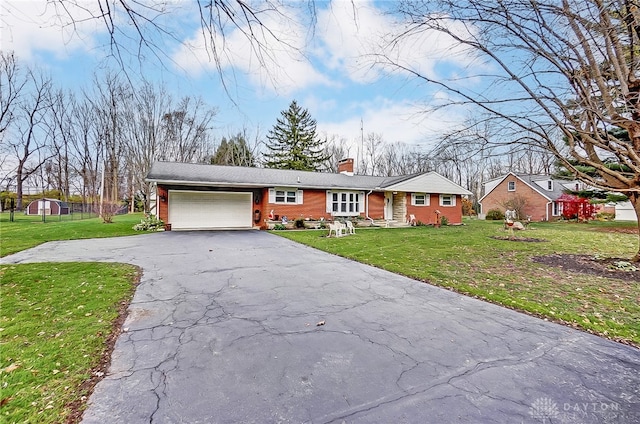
(466, 259)
(54, 321)
(29, 231)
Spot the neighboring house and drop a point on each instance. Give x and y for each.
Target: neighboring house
(625, 212)
(538, 195)
(194, 196)
(47, 207)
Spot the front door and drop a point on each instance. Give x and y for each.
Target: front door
(388, 206)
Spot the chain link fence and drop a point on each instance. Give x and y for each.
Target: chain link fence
(46, 212)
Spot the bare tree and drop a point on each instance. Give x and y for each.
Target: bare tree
(109, 103)
(85, 150)
(28, 138)
(335, 149)
(12, 82)
(142, 136)
(186, 131)
(60, 130)
(558, 74)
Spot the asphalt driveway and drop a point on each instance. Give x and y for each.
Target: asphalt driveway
(223, 329)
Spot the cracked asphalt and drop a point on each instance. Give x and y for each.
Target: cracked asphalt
(222, 329)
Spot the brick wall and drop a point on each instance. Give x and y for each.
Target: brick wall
(535, 203)
(376, 205)
(314, 207)
(163, 206)
(427, 214)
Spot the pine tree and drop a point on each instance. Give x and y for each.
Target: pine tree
(293, 143)
(233, 152)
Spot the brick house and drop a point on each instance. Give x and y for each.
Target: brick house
(197, 196)
(537, 195)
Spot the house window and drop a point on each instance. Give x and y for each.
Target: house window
(557, 209)
(345, 203)
(419, 199)
(511, 186)
(447, 200)
(549, 185)
(285, 196)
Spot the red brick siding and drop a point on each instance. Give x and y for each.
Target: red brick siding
(314, 206)
(376, 205)
(163, 206)
(536, 204)
(427, 214)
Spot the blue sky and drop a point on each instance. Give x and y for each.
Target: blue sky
(330, 70)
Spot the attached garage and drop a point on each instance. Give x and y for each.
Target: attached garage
(198, 210)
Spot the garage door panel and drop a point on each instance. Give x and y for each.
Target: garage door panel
(206, 210)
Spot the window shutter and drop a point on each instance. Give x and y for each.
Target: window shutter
(272, 195)
(453, 199)
(299, 197)
(413, 199)
(361, 201)
(328, 201)
(427, 199)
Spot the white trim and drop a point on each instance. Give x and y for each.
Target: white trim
(346, 202)
(453, 200)
(286, 191)
(426, 200)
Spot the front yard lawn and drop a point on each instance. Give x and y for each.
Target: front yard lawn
(29, 231)
(469, 260)
(56, 327)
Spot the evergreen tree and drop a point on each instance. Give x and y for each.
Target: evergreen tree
(293, 143)
(234, 152)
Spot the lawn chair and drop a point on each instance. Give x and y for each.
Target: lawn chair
(350, 229)
(337, 228)
(412, 220)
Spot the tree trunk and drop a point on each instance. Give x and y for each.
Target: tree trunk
(634, 198)
(19, 187)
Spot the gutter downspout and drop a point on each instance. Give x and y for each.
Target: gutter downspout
(546, 212)
(367, 208)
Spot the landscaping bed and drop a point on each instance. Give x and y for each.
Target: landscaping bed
(593, 265)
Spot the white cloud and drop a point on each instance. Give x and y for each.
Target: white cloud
(28, 26)
(275, 59)
(358, 39)
(404, 122)
(350, 32)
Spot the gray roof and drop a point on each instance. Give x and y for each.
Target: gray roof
(237, 176)
(558, 185)
(532, 180)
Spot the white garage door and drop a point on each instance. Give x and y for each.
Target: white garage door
(197, 210)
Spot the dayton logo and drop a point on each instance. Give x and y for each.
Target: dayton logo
(543, 409)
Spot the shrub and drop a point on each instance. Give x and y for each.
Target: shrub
(467, 207)
(279, 227)
(107, 211)
(149, 223)
(299, 223)
(605, 216)
(444, 221)
(495, 215)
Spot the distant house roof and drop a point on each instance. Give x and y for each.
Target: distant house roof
(236, 176)
(537, 182)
